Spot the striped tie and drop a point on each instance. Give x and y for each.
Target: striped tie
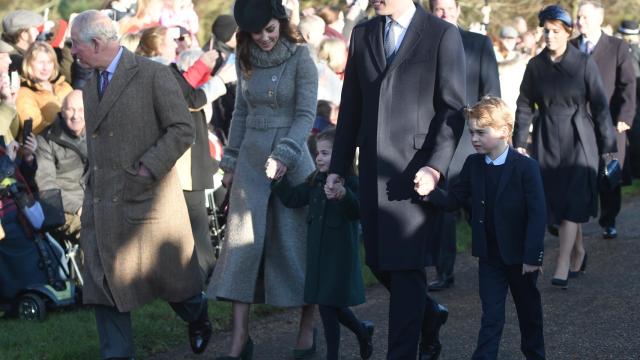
(389, 41)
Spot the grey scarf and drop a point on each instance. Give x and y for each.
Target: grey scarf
(280, 53)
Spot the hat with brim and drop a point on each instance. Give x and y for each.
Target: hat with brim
(20, 20)
(253, 15)
(629, 27)
(555, 12)
(5, 48)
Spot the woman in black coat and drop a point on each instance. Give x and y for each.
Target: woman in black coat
(571, 129)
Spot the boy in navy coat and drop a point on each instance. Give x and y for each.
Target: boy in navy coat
(502, 189)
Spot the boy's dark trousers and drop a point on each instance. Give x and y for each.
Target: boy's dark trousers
(495, 279)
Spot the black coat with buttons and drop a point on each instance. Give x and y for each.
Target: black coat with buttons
(333, 274)
(519, 214)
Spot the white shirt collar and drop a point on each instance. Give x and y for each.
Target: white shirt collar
(593, 41)
(500, 160)
(405, 19)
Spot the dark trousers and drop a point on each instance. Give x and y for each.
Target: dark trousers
(199, 219)
(116, 334)
(610, 204)
(495, 279)
(410, 308)
(447, 251)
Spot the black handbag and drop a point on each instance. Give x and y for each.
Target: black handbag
(51, 202)
(611, 176)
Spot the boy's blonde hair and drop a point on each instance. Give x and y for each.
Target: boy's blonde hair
(491, 111)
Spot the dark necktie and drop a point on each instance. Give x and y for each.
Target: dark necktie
(104, 82)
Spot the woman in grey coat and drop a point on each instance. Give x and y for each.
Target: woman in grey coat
(263, 256)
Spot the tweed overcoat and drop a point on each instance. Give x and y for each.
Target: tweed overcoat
(263, 255)
(406, 115)
(136, 234)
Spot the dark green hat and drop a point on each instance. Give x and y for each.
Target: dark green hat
(253, 15)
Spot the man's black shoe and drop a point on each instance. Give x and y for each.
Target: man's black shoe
(430, 346)
(610, 233)
(199, 335)
(442, 283)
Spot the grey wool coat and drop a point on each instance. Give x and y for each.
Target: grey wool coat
(263, 256)
(136, 234)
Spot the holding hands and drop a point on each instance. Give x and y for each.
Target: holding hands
(526, 268)
(334, 187)
(275, 169)
(426, 180)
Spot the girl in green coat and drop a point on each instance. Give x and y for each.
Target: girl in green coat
(333, 276)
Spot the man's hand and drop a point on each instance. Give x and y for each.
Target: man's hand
(426, 180)
(332, 184)
(526, 268)
(7, 94)
(275, 169)
(622, 126)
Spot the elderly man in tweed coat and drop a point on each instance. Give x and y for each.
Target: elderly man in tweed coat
(135, 228)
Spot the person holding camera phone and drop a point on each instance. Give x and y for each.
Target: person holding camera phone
(9, 122)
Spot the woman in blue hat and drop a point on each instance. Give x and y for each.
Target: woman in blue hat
(562, 94)
(263, 257)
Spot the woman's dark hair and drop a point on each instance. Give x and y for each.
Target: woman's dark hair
(243, 38)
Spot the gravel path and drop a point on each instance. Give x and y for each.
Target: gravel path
(598, 317)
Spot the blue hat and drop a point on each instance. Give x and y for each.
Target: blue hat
(555, 12)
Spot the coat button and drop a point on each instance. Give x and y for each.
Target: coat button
(115, 199)
(96, 200)
(481, 222)
(94, 135)
(95, 168)
(270, 93)
(274, 78)
(110, 133)
(482, 202)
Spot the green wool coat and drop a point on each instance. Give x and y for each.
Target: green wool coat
(333, 276)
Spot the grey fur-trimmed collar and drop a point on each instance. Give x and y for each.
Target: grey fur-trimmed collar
(280, 53)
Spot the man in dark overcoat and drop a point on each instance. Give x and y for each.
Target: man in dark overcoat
(403, 93)
(136, 236)
(482, 80)
(615, 62)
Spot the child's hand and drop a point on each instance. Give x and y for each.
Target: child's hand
(530, 268)
(339, 191)
(331, 187)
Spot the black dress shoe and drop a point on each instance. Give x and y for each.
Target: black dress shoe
(366, 343)
(563, 284)
(610, 232)
(306, 353)
(430, 346)
(442, 283)
(246, 354)
(583, 267)
(199, 335)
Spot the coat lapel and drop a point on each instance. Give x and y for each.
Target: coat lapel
(506, 173)
(125, 71)
(376, 43)
(411, 38)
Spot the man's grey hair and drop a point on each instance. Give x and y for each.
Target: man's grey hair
(595, 3)
(92, 24)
